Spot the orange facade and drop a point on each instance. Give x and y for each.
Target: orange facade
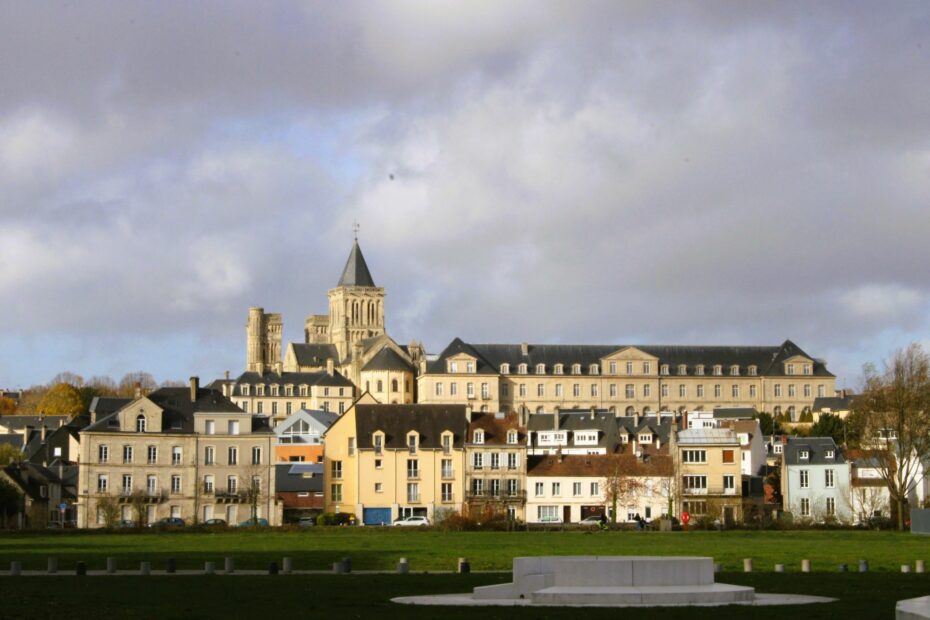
(311, 453)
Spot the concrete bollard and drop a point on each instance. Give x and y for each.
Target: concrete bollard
(805, 566)
(80, 568)
(905, 568)
(287, 566)
(229, 566)
(347, 564)
(718, 567)
(209, 568)
(16, 569)
(747, 565)
(273, 568)
(52, 566)
(145, 568)
(919, 566)
(779, 568)
(111, 566)
(863, 566)
(339, 568)
(843, 568)
(464, 565)
(403, 567)
(170, 566)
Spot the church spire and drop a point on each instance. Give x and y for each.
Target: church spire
(356, 271)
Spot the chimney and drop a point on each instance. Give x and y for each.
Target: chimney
(524, 349)
(195, 385)
(523, 419)
(330, 367)
(42, 431)
(684, 420)
(555, 421)
(138, 387)
(468, 413)
(635, 420)
(227, 375)
(279, 367)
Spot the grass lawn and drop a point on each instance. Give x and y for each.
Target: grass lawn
(862, 596)
(380, 548)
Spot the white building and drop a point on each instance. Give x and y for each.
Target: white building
(815, 480)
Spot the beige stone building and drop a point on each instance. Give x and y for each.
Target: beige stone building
(189, 453)
(625, 379)
(495, 465)
(709, 473)
(350, 341)
(383, 462)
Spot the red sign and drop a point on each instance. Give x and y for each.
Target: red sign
(685, 517)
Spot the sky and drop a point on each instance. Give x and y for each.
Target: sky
(522, 171)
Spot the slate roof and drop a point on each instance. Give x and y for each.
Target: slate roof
(29, 477)
(179, 410)
(604, 423)
(817, 448)
(308, 354)
(290, 378)
(595, 465)
(735, 413)
(19, 422)
(707, 436)
(388, 359)
(834, 403)
(629, 425)
(430, 421)
(298, 478)
(356, 271)
(767, 359)
(105, 405)
(14, 439)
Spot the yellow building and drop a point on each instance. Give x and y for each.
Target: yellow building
(190, 454)
(709, 473)
(383, 462)
(625, 379)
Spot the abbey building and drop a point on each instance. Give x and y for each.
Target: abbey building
(347, 352)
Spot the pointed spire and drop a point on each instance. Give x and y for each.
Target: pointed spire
(356, 271)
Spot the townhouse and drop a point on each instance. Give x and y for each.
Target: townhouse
(709, 473)
(815, 480)
(300, 436)
(188, 453)
(495, 475)
(384, 462)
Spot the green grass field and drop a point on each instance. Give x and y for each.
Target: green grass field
(380, 548)
(862, 596)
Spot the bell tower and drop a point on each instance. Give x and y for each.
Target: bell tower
(356, 305)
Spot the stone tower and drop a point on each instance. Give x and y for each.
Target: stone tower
(263, 341)
(356, 305)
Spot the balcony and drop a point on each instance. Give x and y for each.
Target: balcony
(229, 497)
(501, 496)
(695, 491)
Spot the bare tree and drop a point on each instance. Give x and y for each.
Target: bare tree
(108, 506)
(894, 413)
(621, 483)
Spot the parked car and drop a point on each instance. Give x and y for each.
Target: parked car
(254, 523)
(593, 520)
(412, 521)
(169, 522)
(125, 523)
(306, 522)
(215, 523)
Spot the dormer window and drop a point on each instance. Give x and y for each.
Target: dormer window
(576, 369)
(540, 369)
(469, 367)
(699, 369)
(663, 369)
(447, 442)
(752, 371)
(274, 390)
(645, 438)
(682, 369)
(559, 369)
(288, 390)
(377, 441)
(478, 436)
(140, 423)
(521, 369)
(829, 454)
(808, 369)
(734, 370)
(412, 441)
(512, 437)
(718, 370)
(594, 369)
(803, 455)
(789, 369)
(260, 390)
(244, 388)
(505, 369)
(453, 366)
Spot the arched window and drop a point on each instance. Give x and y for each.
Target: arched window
(630, 410)
(393, 385)
(140, 423)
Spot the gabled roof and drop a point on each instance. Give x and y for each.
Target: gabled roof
(388, 359)
(629, 425)
(308, 354)
(396, 421)
(356, 270)
(14, 439)
(765, 358)
(105, 405)
(495, 427)
(19, 422)
(834, 403)
(604, 423)
(323, 419)
(816, 447)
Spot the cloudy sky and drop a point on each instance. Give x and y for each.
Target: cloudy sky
(601, 172)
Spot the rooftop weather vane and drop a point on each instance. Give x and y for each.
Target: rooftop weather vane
(355, 227)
